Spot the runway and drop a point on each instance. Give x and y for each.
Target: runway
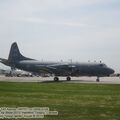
(103, 80)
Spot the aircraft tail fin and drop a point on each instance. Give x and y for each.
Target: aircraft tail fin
(15, 55)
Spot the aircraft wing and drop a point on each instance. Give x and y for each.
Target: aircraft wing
(57, 68)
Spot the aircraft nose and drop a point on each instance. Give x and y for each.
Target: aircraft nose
(111, 71)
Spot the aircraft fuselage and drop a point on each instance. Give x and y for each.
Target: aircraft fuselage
(65, 69)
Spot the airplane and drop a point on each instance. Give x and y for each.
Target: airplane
(64, 69)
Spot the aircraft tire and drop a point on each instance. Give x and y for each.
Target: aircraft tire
(56, 79)
(97, 80)
(68, 78)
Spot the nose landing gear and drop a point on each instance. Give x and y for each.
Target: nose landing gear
(98, 79)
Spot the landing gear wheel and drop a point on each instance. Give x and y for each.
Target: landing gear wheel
(56, 79)
(97, 80)
(68, 78)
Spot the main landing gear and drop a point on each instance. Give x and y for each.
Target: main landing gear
(98, 79)
(68, 78)
(56, 79)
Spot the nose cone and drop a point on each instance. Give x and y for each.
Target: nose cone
(111, 71)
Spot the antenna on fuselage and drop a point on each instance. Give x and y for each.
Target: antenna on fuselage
(70, 61)
(61, 61)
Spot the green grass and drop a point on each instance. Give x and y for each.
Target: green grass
(72, 101)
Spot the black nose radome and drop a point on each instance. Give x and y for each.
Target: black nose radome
(111, 70)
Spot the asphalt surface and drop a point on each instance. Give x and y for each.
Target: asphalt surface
(103, 80)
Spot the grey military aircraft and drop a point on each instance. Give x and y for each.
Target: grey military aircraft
(66, 69)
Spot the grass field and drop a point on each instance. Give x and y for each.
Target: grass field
(72, 101)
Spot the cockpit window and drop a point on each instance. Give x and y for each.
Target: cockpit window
(102, 65)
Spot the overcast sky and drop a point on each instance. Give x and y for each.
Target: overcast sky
(56, 30)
